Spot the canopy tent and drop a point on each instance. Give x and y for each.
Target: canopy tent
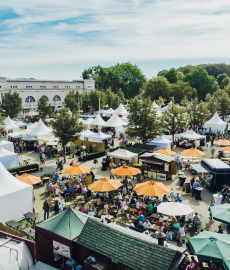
(19, 123)
(15, 134)
(7, 145)
(98, 121)
(190, 135)
(32, 126)
(121, 109)
(88, 122)
(161, 142)
(86, 133)
(115, 122)
(155, 106)
(39, 130)
(123, 154)
(16, 197)
(215, 123)
(8, 158)
(98, 137)
(47, 138)
(109, 111)
(32, 113)
(9, 125)
(174, 209)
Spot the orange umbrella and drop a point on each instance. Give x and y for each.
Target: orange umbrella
(222, 142)
(192, 152)
(29, 179)
(105, 184)
(76, 169)
(226, 149)
(125, 170)
(152, 188)
(165, 152)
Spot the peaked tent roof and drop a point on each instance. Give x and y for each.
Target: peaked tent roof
(100, 135)
(19, 123)
(190, 134)
(215, 120)
(98, 121)
(122, 153)
(87, 133)
(32, 126)
(39, 130)
(9, 124)
(160, 140)
(10, 184)
(67, 224)
(109, 111)
(4, 152)
(114, 121)
(88, 121)
(154, 105)
(122, 110)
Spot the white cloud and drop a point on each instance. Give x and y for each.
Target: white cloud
(69, 32)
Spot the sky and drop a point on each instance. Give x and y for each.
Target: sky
(47, 39)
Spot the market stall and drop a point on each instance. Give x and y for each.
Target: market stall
(190, 139)
(214, 124)
(161, 142)
(122, 154)
(99, 137)
(158, 166)
(8, 158)
(116, 123)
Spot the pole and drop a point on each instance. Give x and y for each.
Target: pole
(79, 106)
(118, 101)
(99, 104)
(81, 103)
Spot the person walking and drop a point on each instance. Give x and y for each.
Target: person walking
(181, 233)
(46, 208)
(212, 152)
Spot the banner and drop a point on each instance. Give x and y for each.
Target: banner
(61, 249)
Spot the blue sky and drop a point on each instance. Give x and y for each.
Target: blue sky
(59, 39)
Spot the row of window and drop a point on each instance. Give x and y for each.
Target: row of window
(44, 86)
(30, 99)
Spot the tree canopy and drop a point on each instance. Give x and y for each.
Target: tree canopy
(71, 101)
(11, 104)
(44, 107)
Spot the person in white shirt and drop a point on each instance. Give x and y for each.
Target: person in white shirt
(181, 233)
(57, 191)
(62, 201)
(119, 197)
(130, 224)
(103, 218)
(147, 224)
(91, 213)
(139, 204)
(77, 186)
(61, 206)
(124, 190)
(66, 176)
(43, 156)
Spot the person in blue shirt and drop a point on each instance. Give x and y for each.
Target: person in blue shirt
(48, 184)
(40, 156)
(70, 189)
(56, 177)
(140, 225)
(132, 201)
(180, 166)
(178, 198)
(141, 218)
(168, 235)
(194, 186)
(177, 160)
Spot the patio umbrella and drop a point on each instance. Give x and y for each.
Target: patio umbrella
(165, 152)
(105, 184)
(226, 263)
(152, 188)
(210, 246)
(222, 142)
(220, 212)
(193, 152)
(227, 149)
(76, 169)
(29, 179)
(125, 170)
(174, 209)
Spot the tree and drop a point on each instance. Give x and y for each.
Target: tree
(71, 101)
(172, 75)
(11, 104)
(66, 127)
(180, 75)
(142, 120)
(160, 101)
(1, 126)
(94, 99)
(109, 97)
(224, 103)
(221, 77)
(44, 107)
(224, 83)
(162, 73)
(198, 112)
(184, 102)
(212, 105)
(156, 87)
(181, 89)
(175, 118)
(204, 84)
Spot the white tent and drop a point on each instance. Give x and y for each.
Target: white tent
(8, 158)
(88, 122)
(32, 126)
(32, 113)
(161, 142)
(115, 122)
(123, 154)
(86, 133)
(98, 137)
(121, 110)
(109, 111)
(9, 125)
(98, 121)
(155, 106)
(190, 135)
(215, 123)
(16, 197)
(9, 146)
(47, 138)
(39, 130)
(19, 123)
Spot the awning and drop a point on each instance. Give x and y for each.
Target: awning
(198, 168)
(152, 161)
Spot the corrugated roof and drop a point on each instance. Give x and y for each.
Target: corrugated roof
(163, 157)
(198, 168)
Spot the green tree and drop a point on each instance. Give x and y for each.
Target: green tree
(71, 101)
(162, 73)
(186, 69)
(184, 102)
(221, 77)
(66, 127)
(11, 104)
(180, 90)
(198, 112)
(156, 87)
(224, 83)
(44, 107)
(180, 75)
(142, 120)
(172, 75)
(160, 101)
(224, 103)
(109, 97)
(1, 126)
(174, 118)
(212, 105)
(94, 99)
(204, 84)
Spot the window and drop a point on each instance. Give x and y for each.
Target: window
(0, 86)
(13, 86)
(55, 86)
(29, 87)
(56, 98)
(90, 87)
(78, 86)
(42, 86)
(67, 86)
(30, 99)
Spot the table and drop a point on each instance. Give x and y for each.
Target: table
(176, 226)
(45, 178)
(13, 224)
(31, 219)
(30, 233)
(109, 217)
(217, 199)
(56, 199)
(198, 193)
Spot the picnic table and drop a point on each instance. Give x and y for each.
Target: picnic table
(13, 224)
(31, 219)
(45, 179)
(30, 233)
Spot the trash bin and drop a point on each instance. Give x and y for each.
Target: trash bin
(182, 179)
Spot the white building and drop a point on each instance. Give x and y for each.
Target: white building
(31, 90)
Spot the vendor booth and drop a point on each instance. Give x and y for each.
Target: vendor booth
(99, 137)
(39, 130)
(214, 124)
(9, 146)
(190, 139)
(115, 122)
(158, 166)
(9, 125)
(122, 154)
(8, 159)
(121, 109)
(98, 121)
(161, 142)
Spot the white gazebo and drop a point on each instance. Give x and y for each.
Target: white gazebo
(121, 109)
(98, 121)
(191, 135)
(19, 123)
(124, 155)
(86, 133)
(98, 137)
(8, 158)
(109, 111)
(215, 123)
(115, 122)
(161, 142)
(39, 130)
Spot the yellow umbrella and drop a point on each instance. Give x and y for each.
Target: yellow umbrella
(105, 184)
(193, 152)
(152, 188)
(76, 169)
(222, 142)
(125, 170)
(165, 152)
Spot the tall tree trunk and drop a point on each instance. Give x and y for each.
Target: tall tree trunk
(63, 147)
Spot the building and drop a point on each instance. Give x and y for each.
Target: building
(31, 90)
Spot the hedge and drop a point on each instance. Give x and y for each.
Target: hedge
(24, 169)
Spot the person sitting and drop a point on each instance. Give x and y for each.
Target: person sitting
(161, 220)
(47, 184)
(56, 208)
(177, 197)
(220, 230)
(196, 220)
(61, 207)
(72, 163)
(140, 225)
(124, 190)
(163, 228)
(103, 218)
(194, 264)
(56, 177)
(51, 188)
(70, 189)
(141, 218)
(82, 208)
(187, 164)
(147, 224)
(62, 201)
(168, 235)
(84, 189)
(61, 182)
(224, 192)
(119, 198)
(149, 208)
(57, 192)
(91, 213)
(165, 199)
(139, 205)
(123, 204)
(102, 198)
(135, 213)
(130, 224)
(98, 202)
(132, 201)
(172, 194)
(63, 187)
(106, 209)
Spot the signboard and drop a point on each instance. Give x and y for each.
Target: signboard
(166, 167)
(61, 249)
(187, 188)
(161, 176)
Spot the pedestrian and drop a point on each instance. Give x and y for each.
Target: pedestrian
(46, 209)
(212, 152)
(177, 160)
(181, 233)
(40, 156)
(142, 171)
(220, 230)
(194, 186)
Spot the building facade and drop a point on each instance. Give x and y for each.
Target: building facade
(31, 90)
